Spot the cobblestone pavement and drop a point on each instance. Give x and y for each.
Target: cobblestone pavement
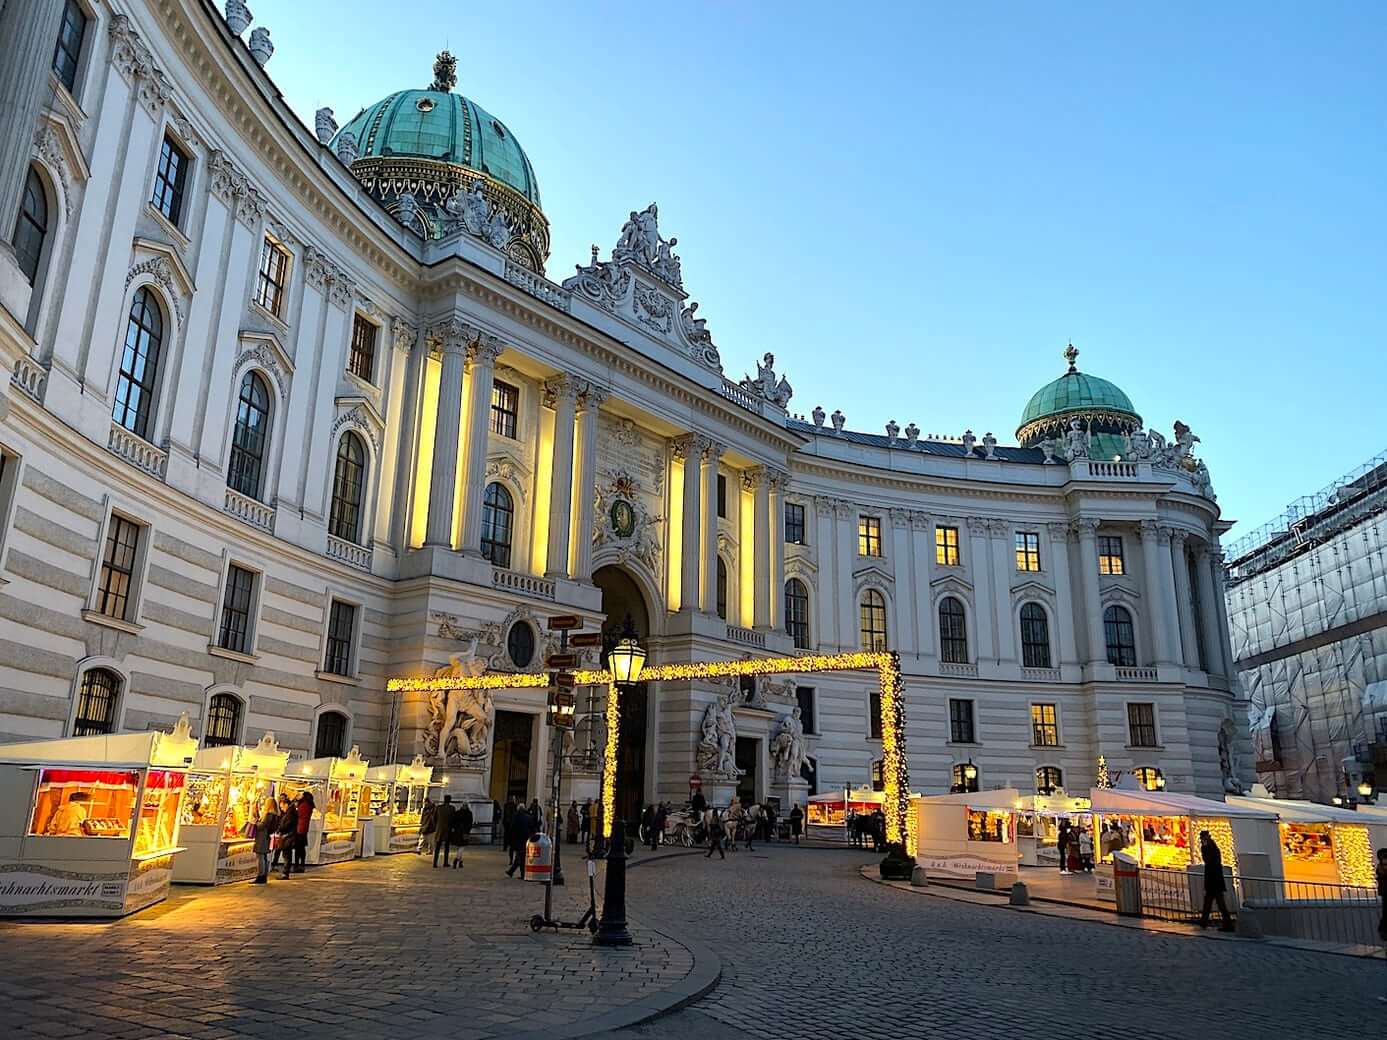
(375, 949)
(810, 949)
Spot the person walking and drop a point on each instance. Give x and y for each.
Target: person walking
(516, 838)
(571, 824)
(585, 825)
(266, 824)
(285, 825)
(496, 831)
(751, 823)
(1382, 893)
(647, 824)
(716, 830)
(661, 817)
(698, 804)
(427, 818)
(297, 855)
(507, 823)
(796, 822)
(1062, 843)
(443, 829)
(462, 825)
(1214, 884)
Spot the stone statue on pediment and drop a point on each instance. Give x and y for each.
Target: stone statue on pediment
(766, 386)
(1076, 441)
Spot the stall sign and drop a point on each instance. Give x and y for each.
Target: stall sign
(32, 889)
(237, 862)
(964, 866)
(404, 841)
(337, 848)
(149, 882)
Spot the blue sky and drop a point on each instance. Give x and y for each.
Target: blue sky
(915, 207)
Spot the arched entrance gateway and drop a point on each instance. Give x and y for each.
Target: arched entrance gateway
(622, 600)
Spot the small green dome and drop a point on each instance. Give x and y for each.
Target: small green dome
(444, 127)
(1099, 405)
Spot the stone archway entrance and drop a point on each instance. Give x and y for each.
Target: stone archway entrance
(622, 599)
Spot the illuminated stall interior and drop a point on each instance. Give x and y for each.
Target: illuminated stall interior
(395, 799)
(1321, 844)
(1038, 819)
(1161, 829)
(964, 832)
(227, 787)
(337, 786)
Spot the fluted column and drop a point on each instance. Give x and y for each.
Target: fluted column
(561, 394)
(777, 549)
(1170, 613)
(447, 430)
(481, 374)
(1158, 591)
(1003, 547)
(1208, 604)
(29, 29)
(980, 565)
(1087, 528)
(585, 484)
(758, 482)
(712, 457)
(1068, 614)
(1184, 599)
(689, 450)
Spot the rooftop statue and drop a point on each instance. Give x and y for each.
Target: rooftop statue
(765, 384)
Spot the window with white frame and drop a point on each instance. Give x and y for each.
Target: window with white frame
(67, 53)
(797, 613)
(97, 699)
(341, 638)
(31, 226)
(238, 606)
(873, 620)
(794, 523)
(138, 376)
(118, 580)
(331, 738)
(1141, 725)
(170, 180)
(1045, 730)
(1027, 551)
(223, 726)
(361, 362)
(869, 536)
(272, 278)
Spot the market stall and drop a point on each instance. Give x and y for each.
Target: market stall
(963, 834)
(1321, 844)
(334, 833)
(1038, 819)
(828, 816)
(89, 825)
(394, 800)
(226, 786)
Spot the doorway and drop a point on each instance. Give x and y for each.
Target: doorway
(622, 601)
(748, 759)
(510, 756)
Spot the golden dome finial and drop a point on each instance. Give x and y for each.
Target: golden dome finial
(445, 72)
(1071, 354)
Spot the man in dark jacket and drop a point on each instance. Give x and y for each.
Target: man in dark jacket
(1214, 885)
(462, 826)
(426, 822)
(443, 829)
(516, 837)
(508, 822)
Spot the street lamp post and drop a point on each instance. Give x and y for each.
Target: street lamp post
(625, 662)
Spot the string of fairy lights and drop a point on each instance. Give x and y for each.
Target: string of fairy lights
(894, 768)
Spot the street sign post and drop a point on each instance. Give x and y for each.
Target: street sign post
(561, 661)
(586, 640)
(564, 622)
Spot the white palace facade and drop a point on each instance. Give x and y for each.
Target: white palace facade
(287, 412)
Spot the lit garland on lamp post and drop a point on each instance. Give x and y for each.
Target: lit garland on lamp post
(609, 760)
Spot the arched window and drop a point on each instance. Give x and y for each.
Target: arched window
(721, 590)
(1035, 636)
(139, 364)
(96, 703)
(223, 721)
(873, 620)
(348, 488)
(331, 741)
(1048, 779)
(1121, 640)
(1150, 778)
(31, 229)
(498, 520)
(797, 613)
(246, 472)
(953, 632)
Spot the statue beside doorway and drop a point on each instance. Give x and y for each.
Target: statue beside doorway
(787, 747)
(460, 721)
(717, 744)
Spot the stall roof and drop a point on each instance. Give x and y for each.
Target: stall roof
(264, 758)
(154, 748)
(1294, 811)
(857, 794)
(1001, 798)
(1164, 803)
(416, 772)
(353, 767)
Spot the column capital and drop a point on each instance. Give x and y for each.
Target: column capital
(134, 60)
(998, 528)
(1148, 530)
(562, 388)
(1164, 533)
(712, 450)
(403, 334)
(451, 336)
(1059, 532)
(978, 525)
(900, 518)
(485, 349)
(592, 397)
(920, 521)
(1087, 526)
(756, 477)
(1178, 537)
(688, 446)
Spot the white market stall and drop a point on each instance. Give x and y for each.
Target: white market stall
(1038, 819)
(89, 825)
(964, 834)
(225, 786)
(334, 832)
(827, 815)
(1322, 844)
(394, 801)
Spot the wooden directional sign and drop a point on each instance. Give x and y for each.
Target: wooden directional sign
(585, 639)
(561, 661)
(564, 680)
(564, 622)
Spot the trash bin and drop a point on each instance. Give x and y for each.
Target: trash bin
(1127, 884)
(539, 858)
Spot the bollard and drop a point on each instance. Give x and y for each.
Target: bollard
(1020, 895)
(918, 878)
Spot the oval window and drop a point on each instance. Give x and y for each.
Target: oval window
(520, 644)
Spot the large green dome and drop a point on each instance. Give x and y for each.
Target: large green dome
(447, 128)
(1099, 405)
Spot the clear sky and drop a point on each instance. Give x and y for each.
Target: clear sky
(915, 207)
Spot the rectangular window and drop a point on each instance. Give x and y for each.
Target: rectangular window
(505, 406)
(1045, 731)
(874, 714)
(1141, 725)
(946, 546)
(961, 721)
(722, 497)
(170, 180)
(1110, 555)
(341, 628)
(234, 632)
(794, 523)
(1027, 551)
(868, 536)
(272, 277)
(69, 48)
(9, 481)
(804, 697)
(362, 361)
(117, 580)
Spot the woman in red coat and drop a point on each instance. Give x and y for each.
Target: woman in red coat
(300, 851)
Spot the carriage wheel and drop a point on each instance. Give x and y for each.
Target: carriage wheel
(536, 922)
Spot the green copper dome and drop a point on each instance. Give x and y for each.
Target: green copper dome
(1100, 406)
(447, 128)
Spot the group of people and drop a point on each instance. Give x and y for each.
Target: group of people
(723, 829)
(445, 827)
(1075, 844)
(280, 832)
(519, 823)
(583, 822)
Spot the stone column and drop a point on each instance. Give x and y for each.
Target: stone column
(1157, 592)
(922, 549)
(1184, 599)
(1220, 610)
(1170, 612)
(30, 31)
(1205, 561)
(1067, 617)
(845, 540)
(447, 430)
(689, 450)
(560, 394)
(1003, 545)
(758, 482)
(979, 562)
(777, 549)
(825, 605)
(481, 373)
(585, 483)
(712, 456)
(410, 357)
(1087, 527)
